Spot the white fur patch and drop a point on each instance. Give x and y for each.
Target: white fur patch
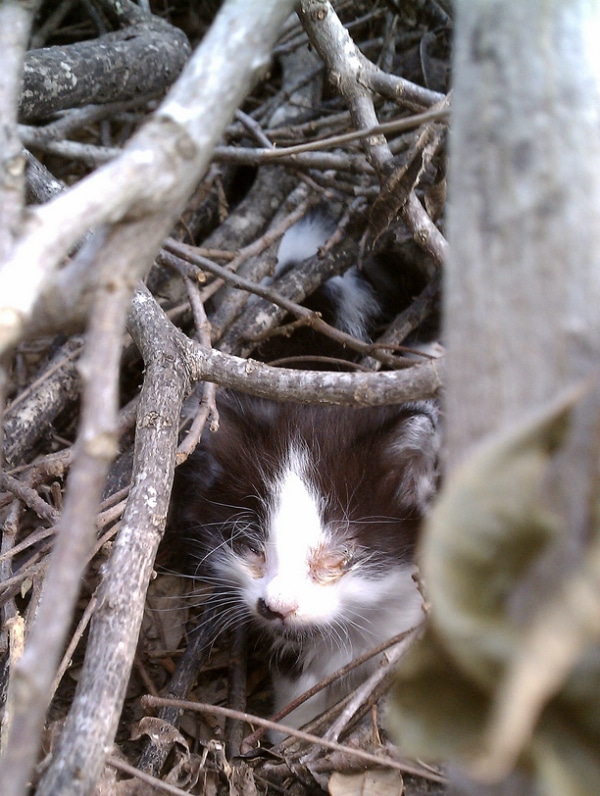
(294, 531)
(356, 304)
(302, 241)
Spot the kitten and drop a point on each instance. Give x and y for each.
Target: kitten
(305, 518)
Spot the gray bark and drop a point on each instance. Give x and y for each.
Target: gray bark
(141, 60)
(522, 286)
(523, 276)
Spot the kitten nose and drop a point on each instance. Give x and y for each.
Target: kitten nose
(269, 613)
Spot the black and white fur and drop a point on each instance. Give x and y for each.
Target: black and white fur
(350, 299)
(305, 519)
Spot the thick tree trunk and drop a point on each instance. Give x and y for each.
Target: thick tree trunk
(522, 292)
(523, 277)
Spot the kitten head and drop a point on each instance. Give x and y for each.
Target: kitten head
(308, 516)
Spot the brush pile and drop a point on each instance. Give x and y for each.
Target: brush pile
(138, 229)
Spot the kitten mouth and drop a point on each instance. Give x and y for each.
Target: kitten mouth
(291, 633)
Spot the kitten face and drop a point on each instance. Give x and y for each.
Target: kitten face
(307, 516)
(302, 575)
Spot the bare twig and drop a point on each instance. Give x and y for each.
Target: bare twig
(114, 631)
(15, 24)
(367, 757)
(356, 80)
(360, 389)
(306, 316)
(29, 497)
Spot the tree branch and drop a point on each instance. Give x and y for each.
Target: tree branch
(31, 678)
(141, 60)
(159, 166)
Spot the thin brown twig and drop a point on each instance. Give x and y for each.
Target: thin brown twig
(306, 317)
(250, 740)
(30, 497)
(217, 710)
(75, 639)
(395, 126)
(207, 407)
(154, 782)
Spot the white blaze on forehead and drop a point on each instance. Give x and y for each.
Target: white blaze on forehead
(295, 527)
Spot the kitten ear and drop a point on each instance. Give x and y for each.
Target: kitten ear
(244, 412)
(412, 451)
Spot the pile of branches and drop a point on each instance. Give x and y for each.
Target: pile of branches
(150, 165)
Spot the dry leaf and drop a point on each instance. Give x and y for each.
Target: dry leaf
(241, 780)
(491, 686)
(161, 733)
(375, 782)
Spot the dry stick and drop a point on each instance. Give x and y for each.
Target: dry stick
(243, 156)
(395, 126)
(365, 690)
(254, 127)
(30, 497)
(345, 62)
(95, 447)
(15, 25)
(159, 167)
(147, 58)
(9, 534)
(36, 569)
(249, 718)
(422, 380)
(115, 627)
(36, 407)
(237, 690)
(251, 739)
(354, 74)
(154, 782)
(76, 119)
(301, 131)
(108, 513)
(69, 352)
(11, 586)
(207, 407)
(76, 637)
(322, 161)
(41, 184)
(52, 22)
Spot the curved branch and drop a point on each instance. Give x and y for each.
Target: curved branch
(148, 322)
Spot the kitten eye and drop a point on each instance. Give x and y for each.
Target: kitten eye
(250, 550)
(254, 558)
(348, 554)
(246, 544)
(328, 566)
